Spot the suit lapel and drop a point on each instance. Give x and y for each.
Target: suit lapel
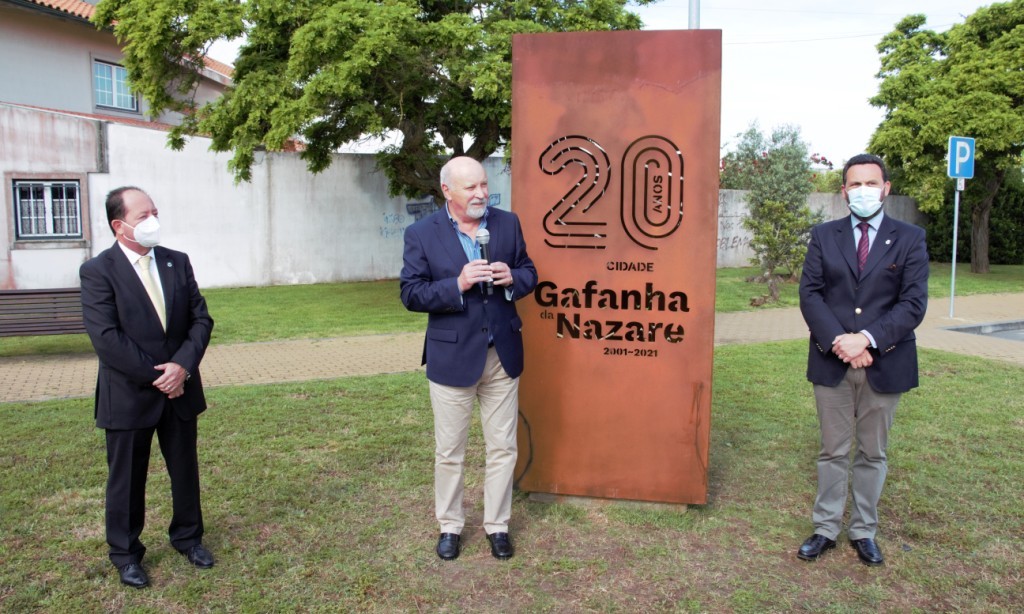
(125, 271)
(165, 268)
(845, 244)
(884, 240)
(495, 228)
(447, 238)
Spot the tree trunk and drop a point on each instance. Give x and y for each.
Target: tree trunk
(979, 236)
(979, 224)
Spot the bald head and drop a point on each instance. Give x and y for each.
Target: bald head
(464, 184)
(460, 164)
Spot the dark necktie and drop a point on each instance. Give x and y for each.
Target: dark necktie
(862, 246)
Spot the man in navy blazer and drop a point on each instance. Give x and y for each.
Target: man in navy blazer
(863, 291)
(149, 349)
(474, 345)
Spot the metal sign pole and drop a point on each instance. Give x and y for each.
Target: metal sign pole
(961, 168)
(956, 223)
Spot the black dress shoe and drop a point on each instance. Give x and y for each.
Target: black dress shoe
(867, 551)
(133, 575)
(198, 556)
(448, 546)
(814, 547)
(501, 545)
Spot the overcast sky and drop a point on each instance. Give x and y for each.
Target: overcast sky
(802, 62)
(810, 63)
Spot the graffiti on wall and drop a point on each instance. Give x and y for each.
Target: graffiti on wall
(393, 225)
(731, 233)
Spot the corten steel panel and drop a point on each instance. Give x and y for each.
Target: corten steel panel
(615, 178)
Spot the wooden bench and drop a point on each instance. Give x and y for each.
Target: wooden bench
(41, 312)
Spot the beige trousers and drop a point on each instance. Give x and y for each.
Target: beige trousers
(851, 410)
(498, 395)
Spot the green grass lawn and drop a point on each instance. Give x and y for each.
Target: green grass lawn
(370, 308)
(318, 497)
(733, 292)
(274, 312)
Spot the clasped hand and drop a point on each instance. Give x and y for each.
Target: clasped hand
(480, 271)
(852, 348)
(172, 382)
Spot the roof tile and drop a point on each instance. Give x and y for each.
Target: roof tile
(86, 11)
(72, 7)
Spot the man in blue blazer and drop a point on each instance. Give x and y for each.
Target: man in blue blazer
(863, 291)
(149, 326)
(474, 345)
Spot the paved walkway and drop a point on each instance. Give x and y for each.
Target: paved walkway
(38, 378)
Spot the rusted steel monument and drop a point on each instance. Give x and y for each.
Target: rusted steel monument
(615, 178)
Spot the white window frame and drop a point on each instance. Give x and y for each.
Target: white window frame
(44, 211)
(119, 94)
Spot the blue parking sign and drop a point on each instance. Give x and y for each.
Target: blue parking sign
(961, 157)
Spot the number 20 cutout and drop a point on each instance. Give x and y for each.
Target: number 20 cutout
(651, 198)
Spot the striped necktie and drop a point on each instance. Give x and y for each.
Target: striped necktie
(862, 246)
(153, 291)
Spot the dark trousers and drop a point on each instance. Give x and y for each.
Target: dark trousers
(128, 465)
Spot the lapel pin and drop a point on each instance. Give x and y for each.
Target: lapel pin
(169, 265)
(887, 241)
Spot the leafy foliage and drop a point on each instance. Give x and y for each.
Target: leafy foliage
(331, 72)
(775, 170)
(1007, 227)
(780, 235)
(828, 181)
(967, 81)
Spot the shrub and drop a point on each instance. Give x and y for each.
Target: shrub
(1006, 227)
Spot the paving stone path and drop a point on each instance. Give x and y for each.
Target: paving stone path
(37, 378)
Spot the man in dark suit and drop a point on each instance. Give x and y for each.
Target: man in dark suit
(474, 345)
(149, 326)
(863, 292)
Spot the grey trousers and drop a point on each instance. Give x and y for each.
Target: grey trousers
(851, 410)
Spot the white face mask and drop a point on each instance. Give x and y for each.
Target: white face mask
(147, 232)
(865, 201)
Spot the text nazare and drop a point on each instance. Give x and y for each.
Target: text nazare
(592, 296)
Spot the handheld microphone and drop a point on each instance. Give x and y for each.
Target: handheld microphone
(483, 238)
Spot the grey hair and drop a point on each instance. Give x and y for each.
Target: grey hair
(446, 172)
(115, 204)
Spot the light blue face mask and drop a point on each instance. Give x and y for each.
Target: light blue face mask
(865, 202)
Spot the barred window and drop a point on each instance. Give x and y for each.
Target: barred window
(47, 209)
(111, 84)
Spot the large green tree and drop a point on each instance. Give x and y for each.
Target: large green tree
(968, 81)
(330, 72)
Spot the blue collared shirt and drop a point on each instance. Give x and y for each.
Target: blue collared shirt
(469, 244)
